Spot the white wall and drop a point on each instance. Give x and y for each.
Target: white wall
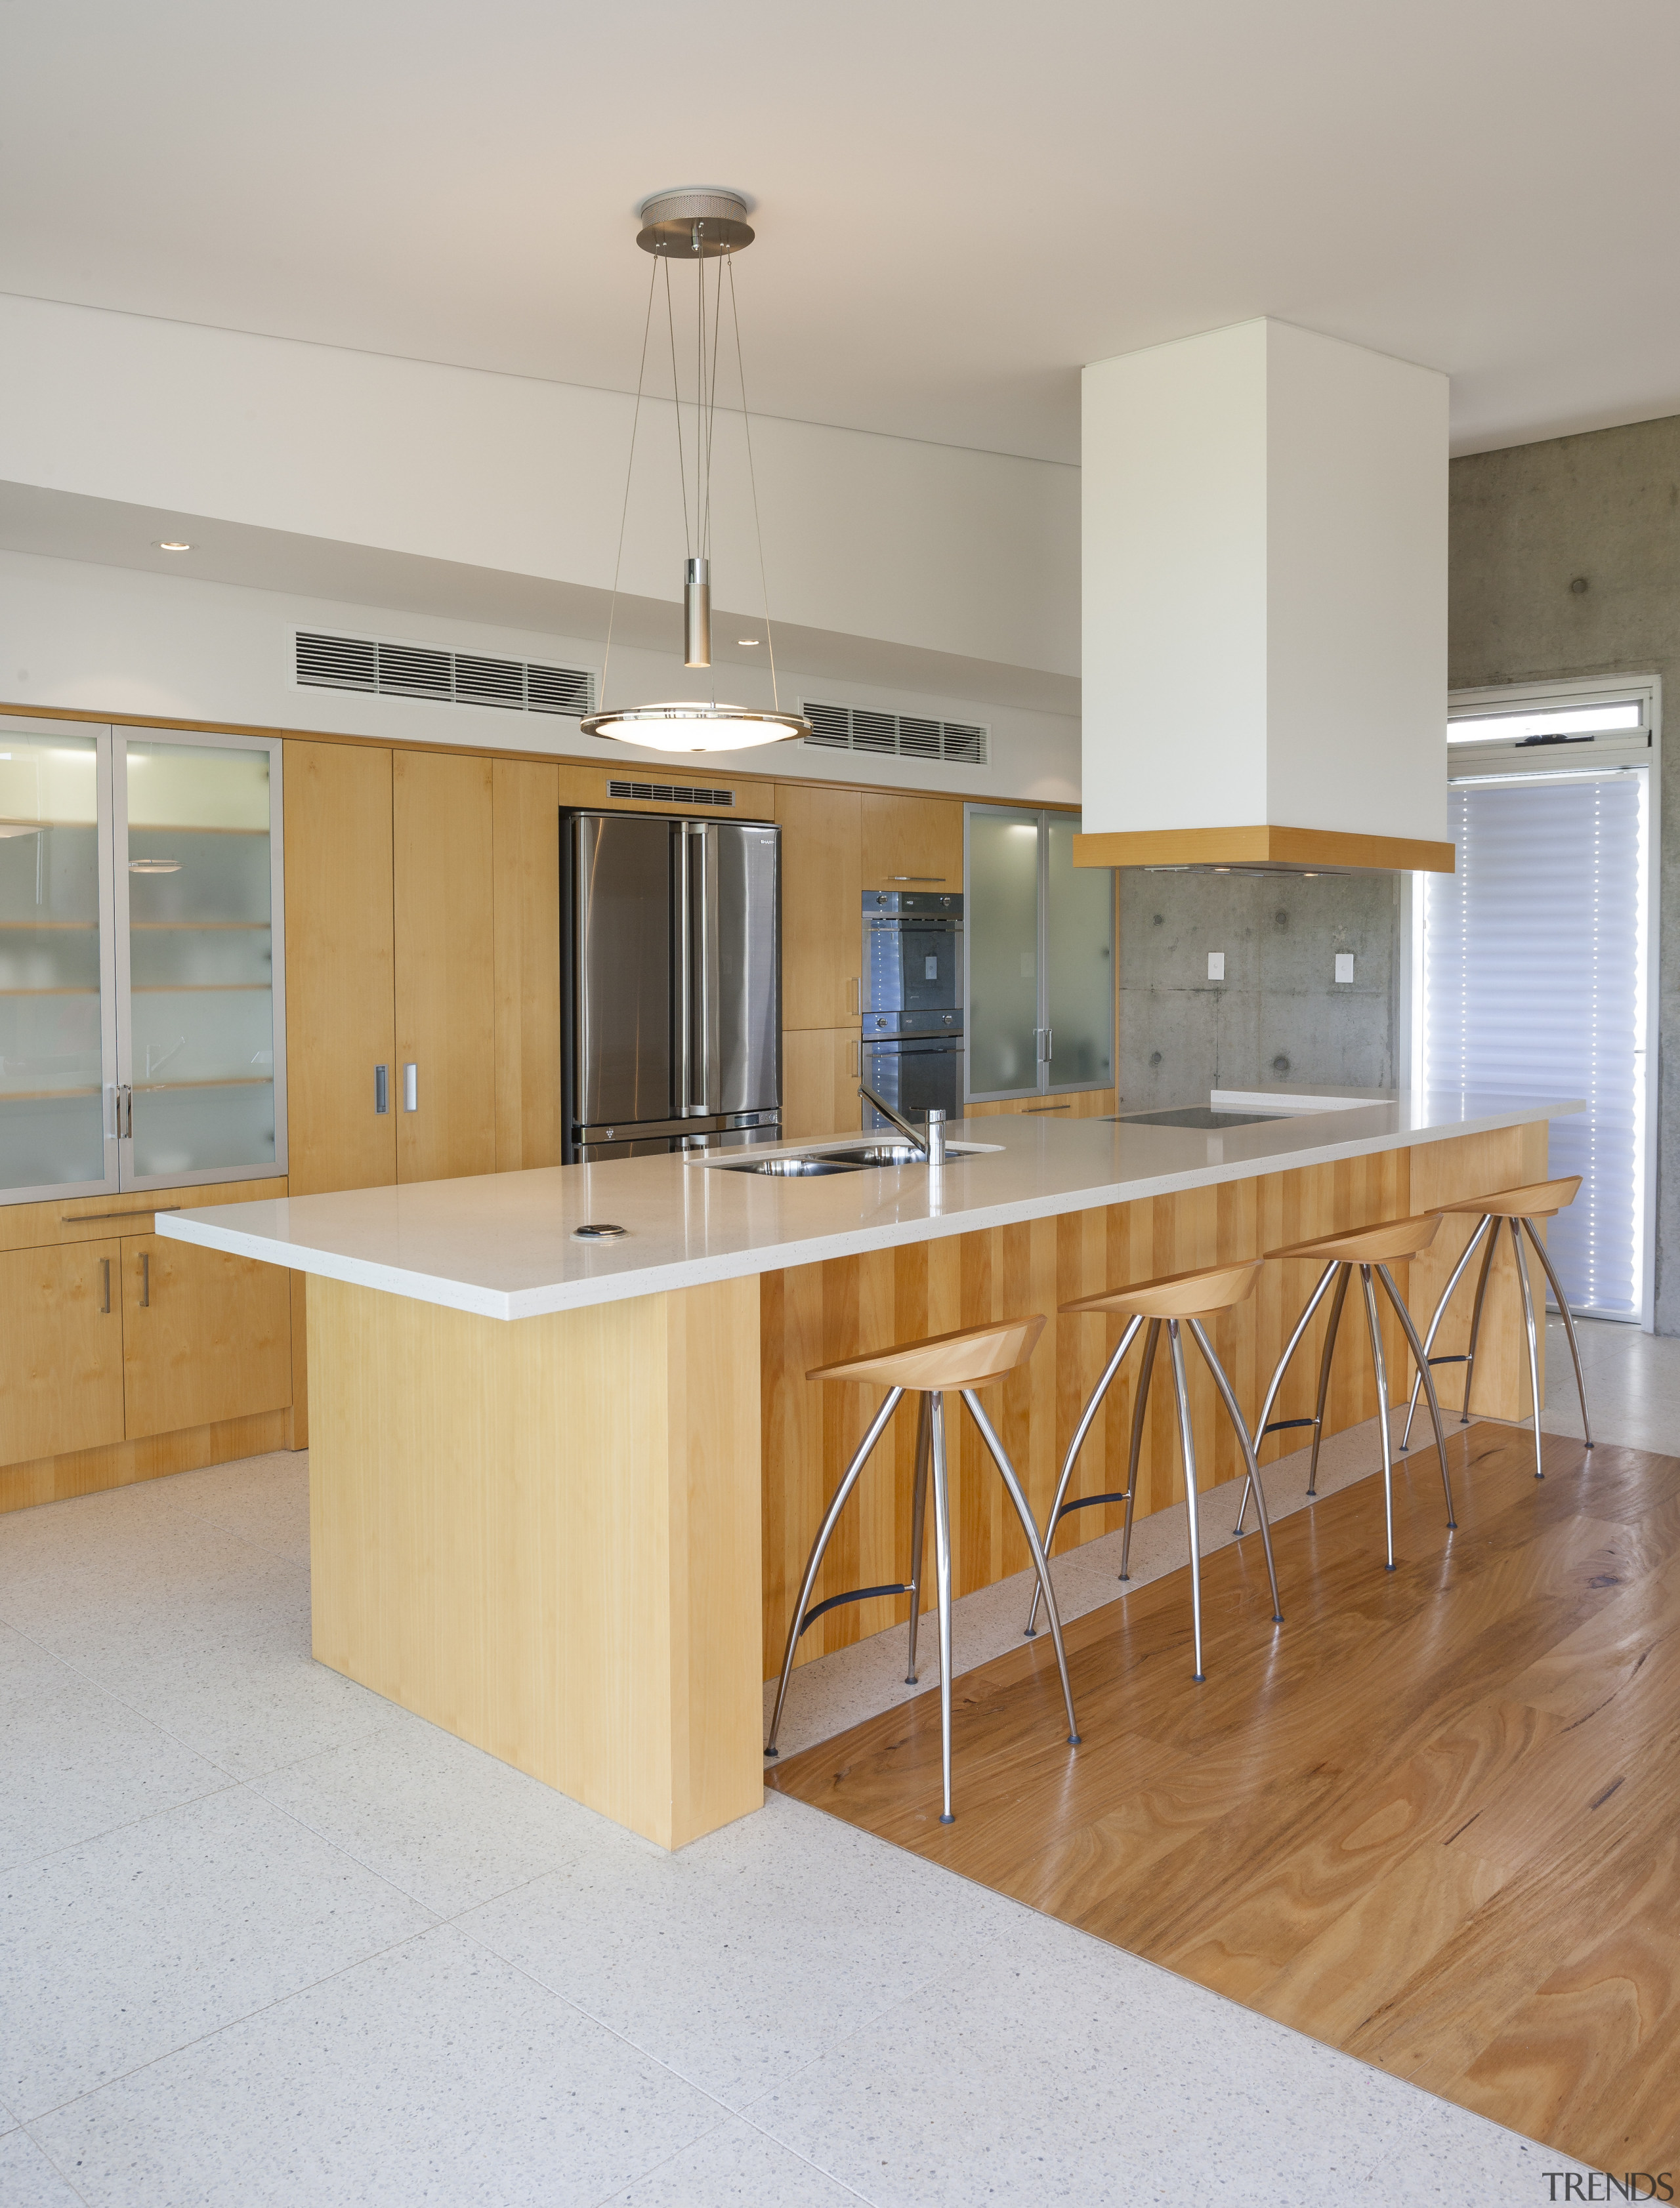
(972, 554)
(111, 640)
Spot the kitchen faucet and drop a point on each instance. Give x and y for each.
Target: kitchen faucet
(931, 1144)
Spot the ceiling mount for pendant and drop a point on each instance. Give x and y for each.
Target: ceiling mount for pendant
(694, 224)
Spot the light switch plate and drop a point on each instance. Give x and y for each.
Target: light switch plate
(1344, 965)
(1215, 965)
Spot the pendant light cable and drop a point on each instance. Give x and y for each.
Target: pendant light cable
(676, 408)
(751, 478)
(635, 420)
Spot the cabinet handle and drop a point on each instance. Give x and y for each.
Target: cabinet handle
(105, 1284)
(915, 877)
(857, 1059)
(381, 1089)
(855, 985)
(411, 1086)
(145, 1279)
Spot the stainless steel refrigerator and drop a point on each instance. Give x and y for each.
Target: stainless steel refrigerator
(671, 978)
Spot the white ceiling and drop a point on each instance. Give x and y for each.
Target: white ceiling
(959, 203)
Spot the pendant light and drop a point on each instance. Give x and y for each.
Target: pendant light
(701, 227)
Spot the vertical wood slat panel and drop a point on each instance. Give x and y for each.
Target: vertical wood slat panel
(818, 1314)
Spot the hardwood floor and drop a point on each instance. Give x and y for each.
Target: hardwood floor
(1430, 1819)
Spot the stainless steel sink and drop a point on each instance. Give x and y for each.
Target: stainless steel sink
(793, 1168)
(884, 1154)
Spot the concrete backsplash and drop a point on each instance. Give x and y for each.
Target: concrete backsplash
(1280, 1014)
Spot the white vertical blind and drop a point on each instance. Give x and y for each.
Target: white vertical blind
(1533, 983)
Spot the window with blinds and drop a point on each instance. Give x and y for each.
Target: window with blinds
(1533, 966)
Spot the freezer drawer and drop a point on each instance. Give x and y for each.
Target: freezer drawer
(643, 1145)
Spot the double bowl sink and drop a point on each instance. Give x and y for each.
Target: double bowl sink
(812, 1165)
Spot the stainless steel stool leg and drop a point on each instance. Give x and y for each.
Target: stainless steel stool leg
(1533, 1345)
(1074, 1448)
(924, 1430)
(1301, 1325)
(1140, 1404)
(1435, 1323)
(1476, 1324)
(1568, 1326)
(1040, 1562)
(1235, 1415)
(1376, 1358)
(1337, 1301)
(1427, 1379)
(942, 1575)
(878, 1427)
(1187, 1444)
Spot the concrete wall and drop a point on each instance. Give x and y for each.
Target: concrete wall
(1280, 1013)
(1528, 524)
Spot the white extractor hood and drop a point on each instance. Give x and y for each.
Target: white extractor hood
(1264, 605)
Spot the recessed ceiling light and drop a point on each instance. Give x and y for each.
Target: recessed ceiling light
(173, 544)
(747, 639)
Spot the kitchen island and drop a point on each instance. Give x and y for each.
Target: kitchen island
(561, 1490)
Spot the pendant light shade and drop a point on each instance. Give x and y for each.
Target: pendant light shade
(697, 727)
(697, 227)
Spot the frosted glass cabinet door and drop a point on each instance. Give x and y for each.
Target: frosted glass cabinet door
(196, 892)
(58, 1032)
(1079, 962)
(1000, 917)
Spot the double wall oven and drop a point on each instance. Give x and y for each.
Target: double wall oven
(912, 1051)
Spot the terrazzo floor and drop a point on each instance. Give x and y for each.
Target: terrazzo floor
(265, 1938)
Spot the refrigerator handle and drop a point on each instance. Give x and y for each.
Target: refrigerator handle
(682, 969)
(710, 1083)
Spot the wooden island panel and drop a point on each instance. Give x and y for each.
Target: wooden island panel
(820, 1314)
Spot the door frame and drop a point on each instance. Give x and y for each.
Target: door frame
(1554, 695)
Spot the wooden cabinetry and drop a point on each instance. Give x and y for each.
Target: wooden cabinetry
(441, 839)
(819, 1077)
(61, 1327)
(339, 959)
(912, 843)
(526, 795)
(204, 1336)
(822, 883)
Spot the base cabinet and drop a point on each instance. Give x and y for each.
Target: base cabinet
(205, 1336)
(122, 1355)
(61, 1366)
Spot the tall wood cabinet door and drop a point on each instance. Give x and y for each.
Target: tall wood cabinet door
(819, 1077)
(205, 1336)
(912, 843)
(525, 818)
(442, 842)
(61, 1350)
(822, 905)
(338, 967)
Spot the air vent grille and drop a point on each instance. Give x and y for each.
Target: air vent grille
(381, 670)
(896, 736)
(670, 793)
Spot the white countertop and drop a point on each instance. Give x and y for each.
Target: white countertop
(502, 1245)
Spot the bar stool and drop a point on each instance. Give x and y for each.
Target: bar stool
(1176, 1297)
(1519, 1208)
(964, 1361)
(1371, 1249)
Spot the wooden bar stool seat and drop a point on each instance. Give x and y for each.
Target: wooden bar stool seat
(932, 1368)
(1174, 1300)
(1372, 1249)
(1519, 1207)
